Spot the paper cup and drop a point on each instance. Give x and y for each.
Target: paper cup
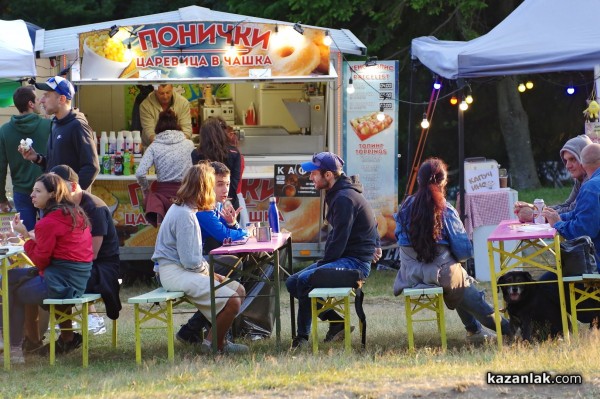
(95, 66)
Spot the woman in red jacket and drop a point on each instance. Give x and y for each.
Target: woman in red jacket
(61, 249)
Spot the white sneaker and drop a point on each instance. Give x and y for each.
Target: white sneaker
(96, 324)
(56, 328)
(481, 337)
(229, 348)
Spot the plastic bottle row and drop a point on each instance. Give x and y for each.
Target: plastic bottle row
(120, 142)
(119, 164)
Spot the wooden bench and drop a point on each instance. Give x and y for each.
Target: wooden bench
(161, 304)
(418, 299)
(79, 313)
(337, 299)
(590, 289)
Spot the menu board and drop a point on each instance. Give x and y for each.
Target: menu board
(300, 216)
(292, 181)
(370, 144)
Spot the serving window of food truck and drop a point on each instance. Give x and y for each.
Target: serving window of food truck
(275, 86)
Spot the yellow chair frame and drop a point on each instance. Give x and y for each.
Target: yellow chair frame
(419, 299)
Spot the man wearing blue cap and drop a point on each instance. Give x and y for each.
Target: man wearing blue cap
(352, 242)
(71, 141)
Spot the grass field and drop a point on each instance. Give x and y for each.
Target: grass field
(551, 196)
(385, 369)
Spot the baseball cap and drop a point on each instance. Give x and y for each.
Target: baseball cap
(324, 161)
(58, 84)
(66, 172)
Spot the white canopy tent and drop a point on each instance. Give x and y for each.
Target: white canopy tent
(539, 36)
(18, 59)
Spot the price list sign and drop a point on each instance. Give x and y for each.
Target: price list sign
(292, 181)
(370, 140)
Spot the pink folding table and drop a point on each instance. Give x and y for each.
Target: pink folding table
(269, 252)
(534, 243)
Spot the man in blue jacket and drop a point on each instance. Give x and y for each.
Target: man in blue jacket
(584, 220)
(352, 242)
(71, 141)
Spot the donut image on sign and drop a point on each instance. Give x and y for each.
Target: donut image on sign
(289, 54)
(368, 125)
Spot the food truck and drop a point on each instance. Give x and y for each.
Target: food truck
(275, 83)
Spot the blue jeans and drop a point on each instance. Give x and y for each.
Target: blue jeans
(24, 206)
(297, 285)
(473, 311)
(23, 291)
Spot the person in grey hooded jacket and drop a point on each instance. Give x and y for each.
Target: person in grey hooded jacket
(571, 157)
(169, 153)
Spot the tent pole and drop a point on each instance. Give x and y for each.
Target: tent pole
(597, 80)
(461, 163)
(413, 67)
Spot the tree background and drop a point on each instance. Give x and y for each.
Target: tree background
(547, 119)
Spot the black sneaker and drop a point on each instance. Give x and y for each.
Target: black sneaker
(299, 342)
(188, 336)
(66, 347)
(61, 346)
(336, 332)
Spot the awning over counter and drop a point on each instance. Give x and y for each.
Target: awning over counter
(65, 42)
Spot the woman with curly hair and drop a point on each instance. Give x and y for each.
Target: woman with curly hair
(61, 249)
(433, 242)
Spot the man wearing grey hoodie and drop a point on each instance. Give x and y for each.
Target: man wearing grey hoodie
(28, 124)
(571, 157)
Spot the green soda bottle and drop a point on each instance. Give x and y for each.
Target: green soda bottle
(127, 163)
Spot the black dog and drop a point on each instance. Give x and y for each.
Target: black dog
(527, 307)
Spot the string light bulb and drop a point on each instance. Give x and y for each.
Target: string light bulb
(453, 100)
(437, 84)
(521, 88)
(181, 66)
(380, 114)
(350, 88)
(463, 105)
(128, 52)
(571, 89)
(469, 99)
(327, 39)
(231, 51)
(425, 122)
(529, 85)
